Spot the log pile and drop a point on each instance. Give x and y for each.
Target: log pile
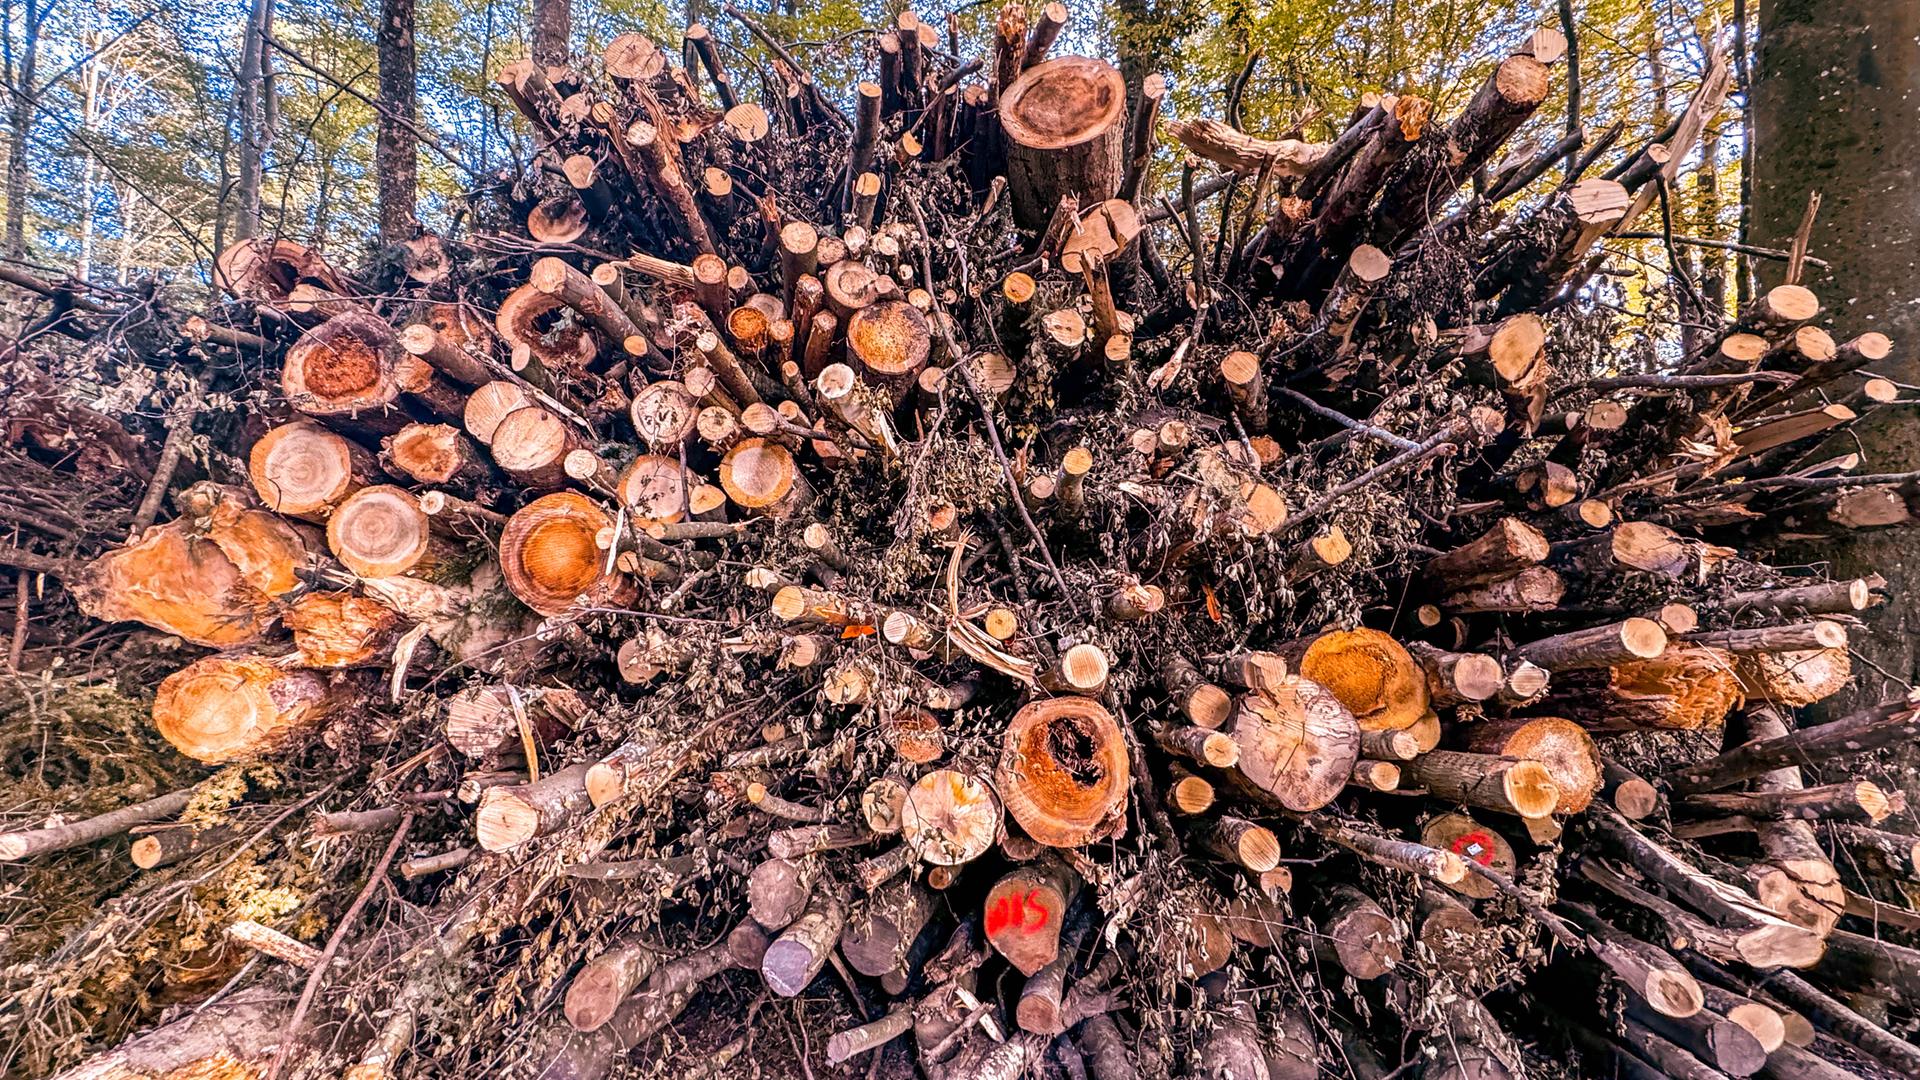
(882, 551)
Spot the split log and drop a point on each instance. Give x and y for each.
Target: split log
(484, 721)
(436, 454)
(189, 585)
(1684, 688)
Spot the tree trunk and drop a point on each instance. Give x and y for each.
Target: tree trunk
(253, 119)
(1836, 105)
(552, 25)
(396, 153)
(20, 128)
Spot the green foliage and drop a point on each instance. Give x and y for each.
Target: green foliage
(134, 147)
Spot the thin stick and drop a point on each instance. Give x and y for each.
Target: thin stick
(333, 946)
(1725, 245)
(820, 100)
(1349, 422)
(17, 652)
(179, 430)
(1802, 236)
(1439, 440)
(1683, 382)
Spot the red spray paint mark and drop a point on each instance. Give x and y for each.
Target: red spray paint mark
(1477, 846)
(1012, 912)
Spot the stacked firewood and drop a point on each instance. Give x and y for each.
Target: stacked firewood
(1071, 627)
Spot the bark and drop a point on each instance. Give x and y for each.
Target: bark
(255, 118)
(1836, 105)
(396, 147)
(552, 27)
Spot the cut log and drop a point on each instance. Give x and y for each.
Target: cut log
(1860, 800)
(220, 708)
(1562, 746)
(1599, 646)
(950, 817)
(761, 475)
(1762, 937)
(303, 470)
(1294, 742)
(1065, 123)
(381, 532)
(1357, 935)
(549, 557)
(1509, 786)
(597, 991)
(351, 367)
(1508, 548)
(1025, 911)
(531, 445)
(1457, 678)
(1537, 588)
(798, 954)
(1889, 723)
(882, 929)
(510, 816)
(1064, 772)
(1469, 839)
(1370, 673)
(1658, 981)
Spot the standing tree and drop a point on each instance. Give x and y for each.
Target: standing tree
(22, 65)
(396, 153)
(1836, 102)
(552, 25)
(256, 117)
